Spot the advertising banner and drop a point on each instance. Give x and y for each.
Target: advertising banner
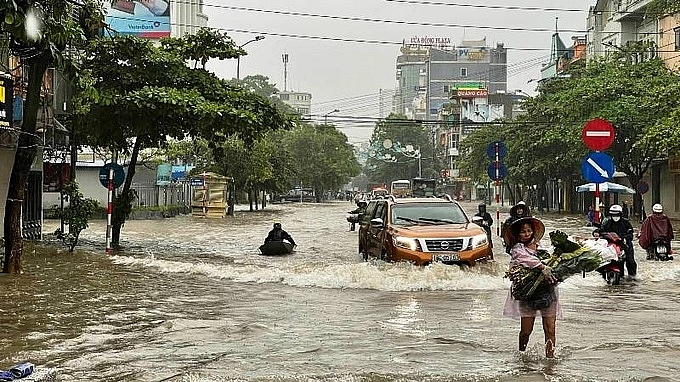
(6, 101)
(141, 18)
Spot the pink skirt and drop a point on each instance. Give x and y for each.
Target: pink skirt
(516, 309)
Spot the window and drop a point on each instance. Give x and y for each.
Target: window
(447, 89)
(463, 72)
(284, 97)
(677, 37)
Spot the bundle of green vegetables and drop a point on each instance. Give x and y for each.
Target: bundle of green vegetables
(568, 258)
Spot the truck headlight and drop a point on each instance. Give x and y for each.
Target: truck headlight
(478, 240)
(406, 242)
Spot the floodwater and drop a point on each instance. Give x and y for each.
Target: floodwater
(191, 300)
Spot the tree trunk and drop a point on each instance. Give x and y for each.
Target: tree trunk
(26, 150)
(121, 212)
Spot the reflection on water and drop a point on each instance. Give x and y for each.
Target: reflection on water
(190, 299)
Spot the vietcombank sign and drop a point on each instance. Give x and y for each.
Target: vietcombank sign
(5, 101)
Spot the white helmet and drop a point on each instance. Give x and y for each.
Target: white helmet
(657, 208)
(615, 209)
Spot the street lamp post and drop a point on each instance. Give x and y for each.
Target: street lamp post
(238, 59)
(325, 116)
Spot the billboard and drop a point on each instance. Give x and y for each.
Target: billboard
(141, 18)
(6, 100)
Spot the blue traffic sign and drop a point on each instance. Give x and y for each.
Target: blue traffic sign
(496, 146)
(118, 175)
(597, 167)
(497, 172)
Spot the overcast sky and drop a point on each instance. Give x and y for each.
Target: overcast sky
(344, 52)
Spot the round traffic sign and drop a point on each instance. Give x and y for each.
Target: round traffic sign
(598, 134)
(642, 187)
(497, 171)
(118, 175)
(494, 148)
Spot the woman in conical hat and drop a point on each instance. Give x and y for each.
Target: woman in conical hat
(524, 234)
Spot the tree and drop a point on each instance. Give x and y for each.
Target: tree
(59, 27)
(636, 95)
(399, 132)
(323, 158)
(77, 214)
(135, 95)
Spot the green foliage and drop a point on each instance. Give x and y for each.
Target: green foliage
(122, 206)
(658, 8)
(638, 96)
(77, 214)
(322, 157)
(205, 44)
(133, 95)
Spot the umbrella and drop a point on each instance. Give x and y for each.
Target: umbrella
(606, 187)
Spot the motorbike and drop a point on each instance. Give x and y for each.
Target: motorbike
(659, 250)
(353, 219)
(612, 271)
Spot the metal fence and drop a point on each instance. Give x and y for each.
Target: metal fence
(151, 195)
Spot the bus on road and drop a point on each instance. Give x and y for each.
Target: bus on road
(401, 188)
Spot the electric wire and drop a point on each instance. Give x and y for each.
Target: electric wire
(387, 21)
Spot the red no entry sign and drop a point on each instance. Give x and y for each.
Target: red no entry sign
(598, 134)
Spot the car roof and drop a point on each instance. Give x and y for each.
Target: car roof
(431, 200)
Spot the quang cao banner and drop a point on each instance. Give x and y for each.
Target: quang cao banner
(141, 18)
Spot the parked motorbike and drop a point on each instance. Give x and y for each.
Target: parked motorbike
(659, 250)
(613, 270)
(353, 219)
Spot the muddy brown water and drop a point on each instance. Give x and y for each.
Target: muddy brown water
(190, 299)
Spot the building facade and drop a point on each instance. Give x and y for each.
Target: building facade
(301, 102)
(614, 23)
(428, 76)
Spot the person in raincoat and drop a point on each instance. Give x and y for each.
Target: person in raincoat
(656, 226)
(278, 234)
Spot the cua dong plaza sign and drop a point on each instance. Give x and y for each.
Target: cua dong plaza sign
(426, 40)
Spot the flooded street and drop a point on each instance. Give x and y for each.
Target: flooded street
(191, 300)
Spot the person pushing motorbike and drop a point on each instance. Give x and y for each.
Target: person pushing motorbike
(359, 212)
(487, 220)
(621, 226)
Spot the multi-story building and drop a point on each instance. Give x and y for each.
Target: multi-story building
(612, 24)
(430, 70)
(299, 101)
(187, 17)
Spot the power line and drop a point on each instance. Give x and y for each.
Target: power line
(503, 7)
(386, 21)
(514, 8)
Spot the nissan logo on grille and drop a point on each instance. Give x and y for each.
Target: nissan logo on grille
(444, 244)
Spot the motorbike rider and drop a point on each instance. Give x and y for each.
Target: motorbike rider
(359, 211)
(486, 219)
(621, 226)
(278, 234)
(517, 211)
(657, 226)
